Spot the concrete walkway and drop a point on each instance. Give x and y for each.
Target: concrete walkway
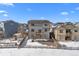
(24, 43)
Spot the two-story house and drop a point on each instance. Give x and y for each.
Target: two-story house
(66, 32)
(39, 30)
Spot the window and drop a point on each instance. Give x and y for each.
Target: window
(39, 31)
(61, 31)
(45, 24)
(32, 30)
(32, 24)
(45, 30)
(75, 30)
(68, 30)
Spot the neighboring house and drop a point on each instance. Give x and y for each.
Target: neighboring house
(58, 23)
(66, 32)
(8, 28)
(77, 33)
(39, 29)
(22, 30)
(22, 27)
(77, 24)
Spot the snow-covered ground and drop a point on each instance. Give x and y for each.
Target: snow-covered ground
(41, 51)
(33, 44)
(37, 52)
(70, 43)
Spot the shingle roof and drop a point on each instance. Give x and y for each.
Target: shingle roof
(8, 21)
(66, 26)
(38, 21)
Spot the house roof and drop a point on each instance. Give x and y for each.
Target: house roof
(66, 26)
(39, 21)
(77, 24)
(8, 21)
(59, 23)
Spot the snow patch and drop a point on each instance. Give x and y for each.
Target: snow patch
(30, 43)
(37, 52)
(70, 44)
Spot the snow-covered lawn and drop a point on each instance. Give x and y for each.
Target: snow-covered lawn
(64, 44)
(37, 52)
(70, 43)
(34, 44)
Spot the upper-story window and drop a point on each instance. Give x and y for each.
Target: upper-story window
(32, 30)
(32, 24)
(45, 30)
(75, 30)
(46, 24)
(68, 31)
(61, 31)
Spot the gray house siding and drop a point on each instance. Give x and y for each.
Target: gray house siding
(9, 28)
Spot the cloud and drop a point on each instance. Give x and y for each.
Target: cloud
(72, 11)
(67, 19)
(7, 4)
(42, 18)
(77, 8)
(6, 15)
(3, 11)
(64, 13)
(29, 9)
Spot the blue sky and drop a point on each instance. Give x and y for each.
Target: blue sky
(55, 12)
